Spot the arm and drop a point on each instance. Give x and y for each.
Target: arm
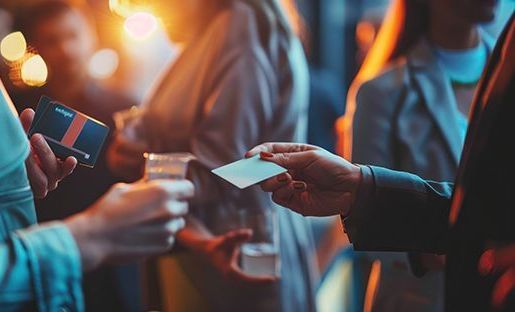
(40, 270)
(397, 211)
(383, 209)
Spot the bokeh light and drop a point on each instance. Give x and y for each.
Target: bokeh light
(124, 8)
(103, 64)
(141, 25)
(13, 46)
(34, 71)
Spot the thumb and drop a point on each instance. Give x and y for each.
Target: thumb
(296, 160)
(235, 238)
(26, 118)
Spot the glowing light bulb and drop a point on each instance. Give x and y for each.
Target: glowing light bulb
(103, 64)
(140, 25)
(13, 46)
(34, 71)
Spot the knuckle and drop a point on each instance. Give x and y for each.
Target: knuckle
(266, 146)
(53, 186)
(313, 154)
(277, 198)
(185, 189)
(159, 192)
(170, 241)
(119, 188)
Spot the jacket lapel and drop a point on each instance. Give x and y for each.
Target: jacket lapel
(438, 96)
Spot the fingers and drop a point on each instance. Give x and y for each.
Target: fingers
(38, 179)
(26, 118)
(503, 288)
(170, 210)
(67, 167)
(235, 238)
(236, 274)
(289, 196)
(280, 148)
(495, 260)
(295, 160)
(271, 185)
(157, 199)
(47, 160)
(54, 169)
(174, 189)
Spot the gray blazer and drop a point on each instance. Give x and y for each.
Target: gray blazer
(407, 119)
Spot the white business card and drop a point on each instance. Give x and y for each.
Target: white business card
(247, 172)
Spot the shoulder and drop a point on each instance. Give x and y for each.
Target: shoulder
(385, 90)
(237, 23)
(238, 36)
(392, 79)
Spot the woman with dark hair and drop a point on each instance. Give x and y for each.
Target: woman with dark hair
(241, 79)
(407, 110)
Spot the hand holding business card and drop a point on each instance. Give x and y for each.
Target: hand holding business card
(69, 132)
(247, 172)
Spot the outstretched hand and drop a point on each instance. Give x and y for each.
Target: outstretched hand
(223, 253)
(317, 183)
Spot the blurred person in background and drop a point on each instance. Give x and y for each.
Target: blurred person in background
(408, 110)
(64, 35)
(241, 78)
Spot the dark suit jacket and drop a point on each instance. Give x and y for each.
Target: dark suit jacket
(401, 212)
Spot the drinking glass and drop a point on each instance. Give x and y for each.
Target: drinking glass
(260, 255)
(167, 165)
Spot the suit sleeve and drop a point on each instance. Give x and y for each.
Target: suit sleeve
(397, 211)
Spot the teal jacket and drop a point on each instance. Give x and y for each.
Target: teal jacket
(40, 267)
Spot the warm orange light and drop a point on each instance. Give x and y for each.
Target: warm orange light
(373, 285)
(140, 25)
(13, 46)
(125, 8)
(365, 33)
(103, 64)
(34, 71)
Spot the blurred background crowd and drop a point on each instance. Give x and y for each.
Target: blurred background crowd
(102, 57)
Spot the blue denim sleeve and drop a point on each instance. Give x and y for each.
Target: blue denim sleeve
(40, 270)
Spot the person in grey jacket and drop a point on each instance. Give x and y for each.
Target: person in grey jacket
(241, 79)
(413, 115)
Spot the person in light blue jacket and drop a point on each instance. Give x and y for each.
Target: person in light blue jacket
(41, 265)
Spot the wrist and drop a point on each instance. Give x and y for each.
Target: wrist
(193, 240)
(83, 231)
(357, 181)
(354, 180)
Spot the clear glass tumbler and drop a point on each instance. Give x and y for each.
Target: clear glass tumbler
(260, 255)
(167, 165)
